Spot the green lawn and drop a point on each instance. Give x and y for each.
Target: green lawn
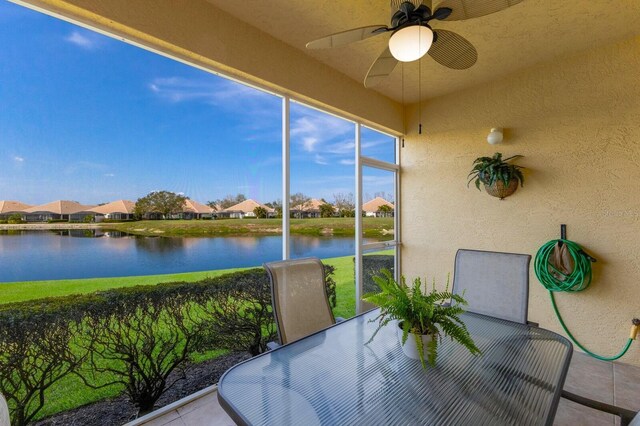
(28, 290)
(374, 227)
(71, 392)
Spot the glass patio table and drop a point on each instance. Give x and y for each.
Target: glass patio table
(333, 378)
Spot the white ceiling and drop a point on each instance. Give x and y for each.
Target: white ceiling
(528, 33)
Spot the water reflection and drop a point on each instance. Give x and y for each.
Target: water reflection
(68, 254)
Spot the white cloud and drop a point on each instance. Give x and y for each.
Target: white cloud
(109, 175)
(18, 159)
(346, 162)
(219, 92)
(309, 143)
(84, 39)
(320, 137)
(319, 159)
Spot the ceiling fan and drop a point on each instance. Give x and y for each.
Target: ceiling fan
(412, 36)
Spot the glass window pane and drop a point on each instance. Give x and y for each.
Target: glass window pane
(322, 200)
(377, 145)
(128, 172)
(378, 204)
(373, 263)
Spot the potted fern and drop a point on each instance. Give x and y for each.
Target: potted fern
(423, 318)
(499, 176)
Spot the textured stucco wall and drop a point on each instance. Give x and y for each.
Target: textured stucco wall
(577, 122)
(198, 32)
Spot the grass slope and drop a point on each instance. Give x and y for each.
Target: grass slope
(374, 227)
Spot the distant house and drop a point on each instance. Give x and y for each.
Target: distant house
(58, 210)
(245, 209)
(7, 208)
(372, 208)
(115, 210)
(196, 210)
(309, 209)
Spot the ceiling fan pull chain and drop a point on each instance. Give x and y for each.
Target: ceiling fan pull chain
(420, 96)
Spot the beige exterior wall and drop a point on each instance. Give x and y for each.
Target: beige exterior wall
(577, 122)
(199, 33)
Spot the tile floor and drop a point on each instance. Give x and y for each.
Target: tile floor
(614, 383)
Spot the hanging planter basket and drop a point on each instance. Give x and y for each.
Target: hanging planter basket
(500, 190)
(492, 172)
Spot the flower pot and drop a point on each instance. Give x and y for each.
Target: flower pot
(410, 348)
(498, 189)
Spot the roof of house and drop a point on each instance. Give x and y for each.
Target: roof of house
(247, 206)
(374, 205)
(311, 205)
(13, 207)
(60, 207)
(196, 207)
(119, 206)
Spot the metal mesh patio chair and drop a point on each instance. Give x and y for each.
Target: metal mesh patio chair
(627, 417)
(495, 284)
(4, 412)
(299, 297)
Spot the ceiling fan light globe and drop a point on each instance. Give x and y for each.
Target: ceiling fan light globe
(411, 43)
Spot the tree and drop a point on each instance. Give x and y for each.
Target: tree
(228, 201)
(345, 204)
(260, 212)
(277, 206)
(298, 202)
(326, 210)
(164, 203)
(385, 210)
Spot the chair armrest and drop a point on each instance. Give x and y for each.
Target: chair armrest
(626, 416)
(533, 324)
(272, 345)
(339, 319)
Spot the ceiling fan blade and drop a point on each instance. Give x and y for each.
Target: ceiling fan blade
(453, 50)
(346, 37)
(380, 69)
(467, 9)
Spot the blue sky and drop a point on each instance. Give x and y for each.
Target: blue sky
(88, 118)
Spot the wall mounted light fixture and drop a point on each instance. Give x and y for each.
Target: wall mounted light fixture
(495, 136)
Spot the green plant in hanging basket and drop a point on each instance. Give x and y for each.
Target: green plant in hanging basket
(499, 176)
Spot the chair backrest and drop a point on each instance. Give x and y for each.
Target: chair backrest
(4, 412)
(494, 283)
(299, 297)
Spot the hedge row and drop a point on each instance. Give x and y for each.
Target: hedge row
(138, 335)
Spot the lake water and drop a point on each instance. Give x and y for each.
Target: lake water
(48, 255)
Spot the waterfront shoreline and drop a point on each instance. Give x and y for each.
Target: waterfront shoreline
(49, 226)
(373, 227)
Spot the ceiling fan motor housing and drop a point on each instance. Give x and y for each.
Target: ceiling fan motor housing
(407, 12)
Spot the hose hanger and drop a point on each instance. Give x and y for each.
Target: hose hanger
(563, 266)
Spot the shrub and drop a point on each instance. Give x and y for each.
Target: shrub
(57, 221)
(239, 314)
(136, 335)
(140, 335)
(2, 221)
(14, 218)
(87, 219)
(35, 339)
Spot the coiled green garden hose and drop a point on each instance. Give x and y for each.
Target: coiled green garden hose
(555, 280)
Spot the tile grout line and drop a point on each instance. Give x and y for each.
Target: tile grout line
(613, 374)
